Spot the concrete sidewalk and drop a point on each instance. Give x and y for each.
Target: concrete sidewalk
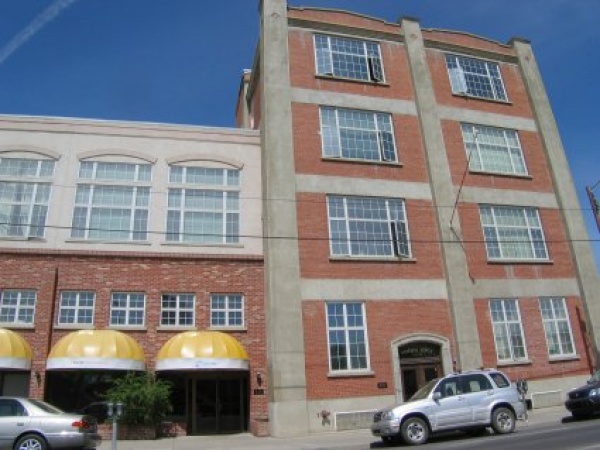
(348, 440)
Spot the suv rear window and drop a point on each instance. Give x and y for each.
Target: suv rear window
(499, 379)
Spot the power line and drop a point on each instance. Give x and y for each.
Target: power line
(294, 238)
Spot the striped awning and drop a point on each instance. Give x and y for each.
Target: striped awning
(15, 352)
(96, 349)
(202, 350)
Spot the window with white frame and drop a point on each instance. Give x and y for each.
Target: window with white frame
(226, 310)
(557, 326)
(475, 77)
(203, 205)
(356, 134)
(513, 233)
(368, 226)
(76, 308)
(17, 307)
(127, 309)
(508, 330)
(25, 186)
(114, 203)
(347, 336)
(348, 58)
(495, 150)
(177, 310)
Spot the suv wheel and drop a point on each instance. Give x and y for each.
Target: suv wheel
(414, 431)
(503, 420)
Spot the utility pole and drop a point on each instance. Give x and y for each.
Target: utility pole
(594, 203)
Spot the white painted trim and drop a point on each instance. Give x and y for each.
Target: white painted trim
(15, 363)
(202, 363)
(95, 363)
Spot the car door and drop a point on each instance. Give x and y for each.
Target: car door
(13, 420)
(480, 393)
(452, 409)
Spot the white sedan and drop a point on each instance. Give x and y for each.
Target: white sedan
(29, 424)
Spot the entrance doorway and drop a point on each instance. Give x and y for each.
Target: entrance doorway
(217, 403)
(420, 362)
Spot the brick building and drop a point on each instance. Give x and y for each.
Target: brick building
(392, 208)
(118, 237)
(430, 217)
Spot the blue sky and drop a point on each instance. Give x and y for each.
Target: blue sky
(180, 61)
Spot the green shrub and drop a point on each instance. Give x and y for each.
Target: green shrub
(146, 400)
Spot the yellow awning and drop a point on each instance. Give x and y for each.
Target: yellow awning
(15, 352)
(193, 350)
(96, 349)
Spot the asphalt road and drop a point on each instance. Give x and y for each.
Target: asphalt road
(568, 434)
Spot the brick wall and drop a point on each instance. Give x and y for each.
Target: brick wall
(152, 276)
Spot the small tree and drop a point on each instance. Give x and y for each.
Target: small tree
(146, 400)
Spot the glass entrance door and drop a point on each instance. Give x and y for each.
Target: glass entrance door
(217, 405)
(415, 377)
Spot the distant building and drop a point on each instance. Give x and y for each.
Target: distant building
(395, 205)
(420, 217)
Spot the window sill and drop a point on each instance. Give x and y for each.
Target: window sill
(372, 259)
(20, 326)
(485, 99)
(351, 373)
(74, 326)
(198, 244)
(368, 162)
(556, 359)
(521, 362)
(128, 327)
(223, 328)
(545, 262)
(176, 328)
(501, 174)
(102, 241)
(352, 80)
(23, 238)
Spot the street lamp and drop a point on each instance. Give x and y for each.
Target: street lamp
(594, 203)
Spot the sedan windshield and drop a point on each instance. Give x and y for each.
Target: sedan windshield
(424, 391)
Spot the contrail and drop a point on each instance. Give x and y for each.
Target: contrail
(36, 25)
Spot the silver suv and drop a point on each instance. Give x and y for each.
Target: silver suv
(469, 401)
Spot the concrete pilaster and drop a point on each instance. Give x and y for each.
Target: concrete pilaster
(285, 343)
(567, 199)
(459, 285)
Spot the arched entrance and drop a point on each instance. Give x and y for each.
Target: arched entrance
(419, 359)
(15, 364)
(209, 371)
(420, 362)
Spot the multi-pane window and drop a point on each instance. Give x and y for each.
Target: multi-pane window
(508, 331)
(127, 308)
(492, 149)
(355, 134)
(177, 310)
(17, 307)
(24, 196)
(347, 336)
(348, 58)
(226, 310)
(513, 233)
(475, 77)
(105, 210)
(203, 205)
(76, 308)
(557, 327)
(367, 226)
